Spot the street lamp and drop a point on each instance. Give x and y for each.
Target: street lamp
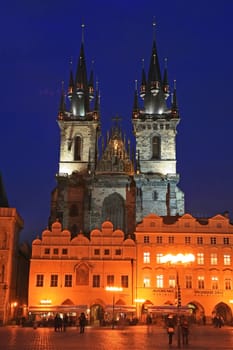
(178, 259)
(113, 289)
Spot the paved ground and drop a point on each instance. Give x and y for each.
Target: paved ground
(131, 338)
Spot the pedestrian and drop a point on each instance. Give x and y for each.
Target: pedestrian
(82, 322)
(185, 331)
(65, 322)
(170, 329)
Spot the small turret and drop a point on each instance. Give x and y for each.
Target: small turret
(62, 107)
(143, 82)
(165, 80)
(135, 104)
(91, 84)
(174, 108)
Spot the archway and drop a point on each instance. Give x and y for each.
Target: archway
(224, 311)
(96, 314)
(198, 311)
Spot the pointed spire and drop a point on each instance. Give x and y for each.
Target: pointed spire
(174, 108)
(62, 107)
(143, 82)
(91, 82)
(96, 112)
(165, 80)
(154, 75)
(71, 81)
(135, 104)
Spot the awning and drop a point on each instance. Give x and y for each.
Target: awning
(120, 308)
(171, 309)
(57, 308)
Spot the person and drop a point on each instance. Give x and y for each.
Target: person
(170, 329)
(82, 322)
(65, 322)
(185, 331)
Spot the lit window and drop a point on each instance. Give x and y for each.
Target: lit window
(226, 259)
(68, 280)
(39, 280)
(200, 258)
(172, 281)
(214, 281)
(226, 240)
(54, 281)
(96, 281)
(110, 280)
(228, 283)
(200, 282)
(159, 239)
(158, 258)
(146, 239)
(213, 259)
(187, 240)
(146, 257)
(213, 240)
(146, 282)
(188, 282)
(124, 281)
(199, 240)
(159, 281)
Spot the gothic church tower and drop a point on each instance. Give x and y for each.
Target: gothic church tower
(155, 127)
(114, 182)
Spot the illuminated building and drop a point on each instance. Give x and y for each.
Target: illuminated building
(11, 300)
(116, 214)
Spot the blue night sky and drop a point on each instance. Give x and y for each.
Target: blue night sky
(39, 38)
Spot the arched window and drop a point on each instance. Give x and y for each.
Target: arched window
(77, 148)
(82, 275)
(114, 210)
(155, 147)
(155, 196)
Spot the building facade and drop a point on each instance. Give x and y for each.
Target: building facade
(118, 237)
(105, 178)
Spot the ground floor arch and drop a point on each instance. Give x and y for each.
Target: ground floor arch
(223, 311)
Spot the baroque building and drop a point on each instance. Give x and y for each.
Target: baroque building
(102, 178)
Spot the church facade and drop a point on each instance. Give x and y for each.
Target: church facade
(106, 178)
(117, 217)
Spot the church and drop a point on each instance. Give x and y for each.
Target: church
(119, 243)
(109, 177)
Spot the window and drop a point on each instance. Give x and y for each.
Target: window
(159, 281)
(214, 282)
(226, 240)
(171, 240)
(64, 251)
(146, 257)
(200, 258)
(188, 282)
(146, 282)
(146, 239)
(124, 281)
(200, 282)
(155, 147)
(226, 259)
(158, 258)
(39, 280)
(77, 148)
(110, 280)
(199, 240)
(171, 281)
(159, 239)
(228, 283)
(96, 251)
(96, 281)
(106, 252)
(54, 281)
(213, 240)
(118, 252)
(213, 259)
(2, 276)
(47, 251)
(155, 196)
(55, 251)
(68, 280)
(187, 240)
